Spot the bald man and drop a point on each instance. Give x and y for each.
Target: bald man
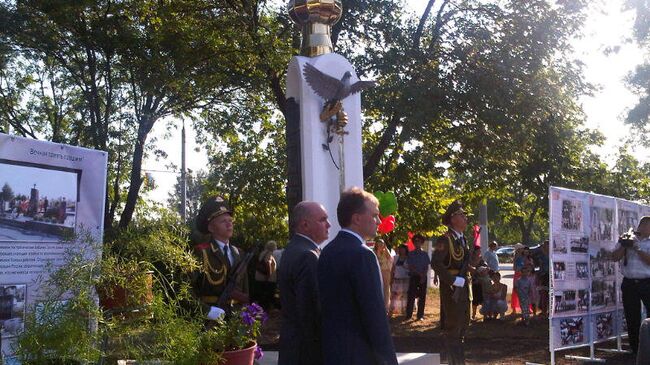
(300, 335)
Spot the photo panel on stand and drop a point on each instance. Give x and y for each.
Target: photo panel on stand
(602, 224)
(570, 332)
(12, 310)
(604, 326)
(572, 215)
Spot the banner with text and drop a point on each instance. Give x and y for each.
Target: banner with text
(50, 193)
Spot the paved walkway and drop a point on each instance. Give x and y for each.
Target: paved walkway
(271, 358)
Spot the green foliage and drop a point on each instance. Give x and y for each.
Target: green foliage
(161, 242)
(57, 328)
(156, 322)
(101, 74)
(194, 194)
(639, 116)
(474, 100)
(247, 167)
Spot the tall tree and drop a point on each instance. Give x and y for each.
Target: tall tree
(639, 80)
(127, 65)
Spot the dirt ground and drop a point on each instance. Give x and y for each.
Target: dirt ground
(492, 342)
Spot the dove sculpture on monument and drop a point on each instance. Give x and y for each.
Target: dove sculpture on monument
(320, 85)
(330, 88)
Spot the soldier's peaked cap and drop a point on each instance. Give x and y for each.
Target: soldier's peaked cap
(211, 209)
(456, 207)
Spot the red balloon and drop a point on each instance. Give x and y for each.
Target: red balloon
(387, 224)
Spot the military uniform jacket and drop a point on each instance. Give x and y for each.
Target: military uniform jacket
(210, 280)
(448, 256)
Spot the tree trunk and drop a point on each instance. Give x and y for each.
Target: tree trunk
(372, 160)
(136, 171)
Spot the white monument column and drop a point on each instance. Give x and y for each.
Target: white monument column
(320, 175)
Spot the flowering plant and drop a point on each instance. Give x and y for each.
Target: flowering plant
(238, 331)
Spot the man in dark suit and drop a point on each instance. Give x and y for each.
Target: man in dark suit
(300, 334)
(355, 325)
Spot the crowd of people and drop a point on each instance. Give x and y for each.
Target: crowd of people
(336, 301)
(342, 296)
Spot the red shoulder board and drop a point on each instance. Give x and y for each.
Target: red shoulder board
(202, 246)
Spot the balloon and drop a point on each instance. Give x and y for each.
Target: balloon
(387, 202)
(387, 225)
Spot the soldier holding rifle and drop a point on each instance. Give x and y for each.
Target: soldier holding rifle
(453, 262)
(221, 281)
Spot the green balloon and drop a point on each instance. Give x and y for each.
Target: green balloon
(387, 203)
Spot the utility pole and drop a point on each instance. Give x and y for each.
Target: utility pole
(183, 176)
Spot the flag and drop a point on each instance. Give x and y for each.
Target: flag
(409, 243)
(477, 236)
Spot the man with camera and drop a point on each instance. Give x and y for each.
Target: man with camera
(634, 249)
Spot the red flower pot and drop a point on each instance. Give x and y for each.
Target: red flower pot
(240, 357)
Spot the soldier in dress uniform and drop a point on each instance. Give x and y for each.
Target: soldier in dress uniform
(450, 254)
(218, 259)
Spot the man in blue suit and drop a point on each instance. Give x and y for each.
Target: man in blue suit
(300, 334)
(355, 325)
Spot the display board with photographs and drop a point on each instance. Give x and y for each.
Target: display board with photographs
(49, 194)
(586, 303)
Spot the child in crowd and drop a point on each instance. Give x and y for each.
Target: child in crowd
(525, 287)
(485, 286)
(495, 304)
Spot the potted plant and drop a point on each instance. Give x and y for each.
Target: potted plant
(68, 326)
(151, 252)
(233, 341)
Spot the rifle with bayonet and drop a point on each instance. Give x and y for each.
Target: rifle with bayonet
(231, 283)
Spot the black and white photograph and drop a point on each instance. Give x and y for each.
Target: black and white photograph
(579, 244)
(601, 265)
(604, 326)
(36, 204)
(559, 270)
(12, 310)
(560, 244)
(565, 301)
(582, 302)
(572, 215)
(572, 331)
(602, 224)
(627, 219)
(582, 271)
(603, 293)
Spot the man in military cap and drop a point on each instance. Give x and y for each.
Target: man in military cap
(453, 263)
(218, 258)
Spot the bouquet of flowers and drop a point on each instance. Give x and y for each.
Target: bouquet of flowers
(236, 332)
